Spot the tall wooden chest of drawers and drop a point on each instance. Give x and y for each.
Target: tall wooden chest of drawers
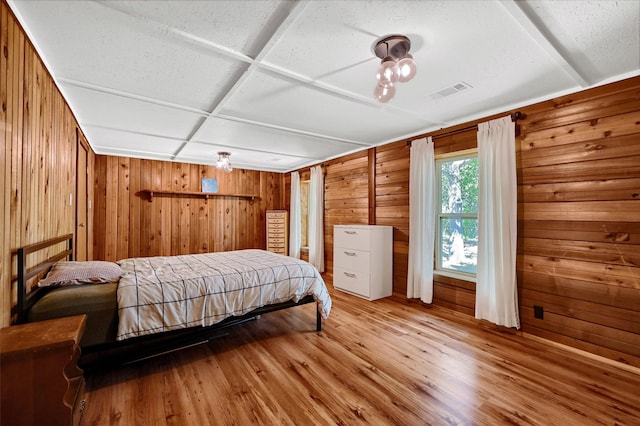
(363, 260)
(277, 231)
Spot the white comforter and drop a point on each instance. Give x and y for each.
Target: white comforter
(159, 294)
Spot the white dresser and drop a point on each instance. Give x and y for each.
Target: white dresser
(363, 260)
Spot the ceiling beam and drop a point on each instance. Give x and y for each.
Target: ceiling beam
(544, 39)
(271, 40)
(289, 130)
(296, 10)
(129, 95)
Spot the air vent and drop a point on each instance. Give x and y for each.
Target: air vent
(451, 90)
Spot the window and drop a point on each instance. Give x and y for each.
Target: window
(457, 220)
(304, 214)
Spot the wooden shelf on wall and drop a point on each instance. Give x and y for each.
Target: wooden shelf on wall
(194, 194)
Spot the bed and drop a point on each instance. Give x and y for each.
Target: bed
(142, 307)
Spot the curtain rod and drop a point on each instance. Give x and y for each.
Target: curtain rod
(515, 117)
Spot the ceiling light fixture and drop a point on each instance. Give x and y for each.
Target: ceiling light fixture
(224, 162)
(397, 65)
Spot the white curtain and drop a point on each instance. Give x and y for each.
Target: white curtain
(316, 218)
(295, 217)
(496, 288)
(422, 220)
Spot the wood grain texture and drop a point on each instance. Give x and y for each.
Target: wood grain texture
(38, 132)
(375, 363)
(346, 195)
(135, 225)
(578, 161)
(578, 175)
(579, 213)
(7, 71)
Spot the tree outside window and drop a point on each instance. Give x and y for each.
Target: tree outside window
(457, 233)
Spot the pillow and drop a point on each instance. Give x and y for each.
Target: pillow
(74, 273)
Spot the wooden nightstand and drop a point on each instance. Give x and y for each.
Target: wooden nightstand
(41, 383)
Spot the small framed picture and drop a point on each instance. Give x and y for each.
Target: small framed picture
(209, 185)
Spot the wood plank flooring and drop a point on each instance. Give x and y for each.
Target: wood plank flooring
(377, 363)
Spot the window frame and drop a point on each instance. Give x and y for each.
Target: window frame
(437, 269)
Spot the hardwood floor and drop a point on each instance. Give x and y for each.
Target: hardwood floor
(375, 363)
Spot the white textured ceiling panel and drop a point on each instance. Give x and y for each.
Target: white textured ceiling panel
(599, 38)
(348, 62)
(284, 84)
(97, 45)
(234, 134)
(119, 142)
(100, 109)
(236, 25)
(283, 102)
(202, 153)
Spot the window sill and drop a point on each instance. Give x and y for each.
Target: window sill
(456, 275)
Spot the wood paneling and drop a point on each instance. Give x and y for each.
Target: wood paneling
(132, 225)
(7, 72)
(346, 197)
(578, 160)
(84, 200)
(579, 208)
(38, 132)
(579, 221)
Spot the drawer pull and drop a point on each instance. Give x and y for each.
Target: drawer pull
(350, 232)
(350, 275)
(349, 253)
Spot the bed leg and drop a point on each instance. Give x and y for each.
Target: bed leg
(318, 321)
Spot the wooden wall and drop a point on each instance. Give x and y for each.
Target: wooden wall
(38, 151)
(578, 210)
(346, 198)
(579, 202)
(129, 225)
(392, 208)
(579, 220)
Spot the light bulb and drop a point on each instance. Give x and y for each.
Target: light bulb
(387, 72)
(384, 93)
(406, 68)
(228, 168)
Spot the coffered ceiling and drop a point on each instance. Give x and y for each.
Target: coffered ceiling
(285, 84)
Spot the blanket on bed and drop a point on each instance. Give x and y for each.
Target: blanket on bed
(159, 294)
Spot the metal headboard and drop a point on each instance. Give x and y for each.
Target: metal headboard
(26, 300)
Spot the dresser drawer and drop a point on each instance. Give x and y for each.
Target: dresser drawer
(351, 281)
(358, 260)
(353, 238)
(277, 232)
(363, 260)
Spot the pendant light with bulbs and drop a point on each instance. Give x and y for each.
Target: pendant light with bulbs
(224, 162)
(397, 65)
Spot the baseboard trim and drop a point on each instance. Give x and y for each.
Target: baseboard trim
(599, 358)
(400, 298)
